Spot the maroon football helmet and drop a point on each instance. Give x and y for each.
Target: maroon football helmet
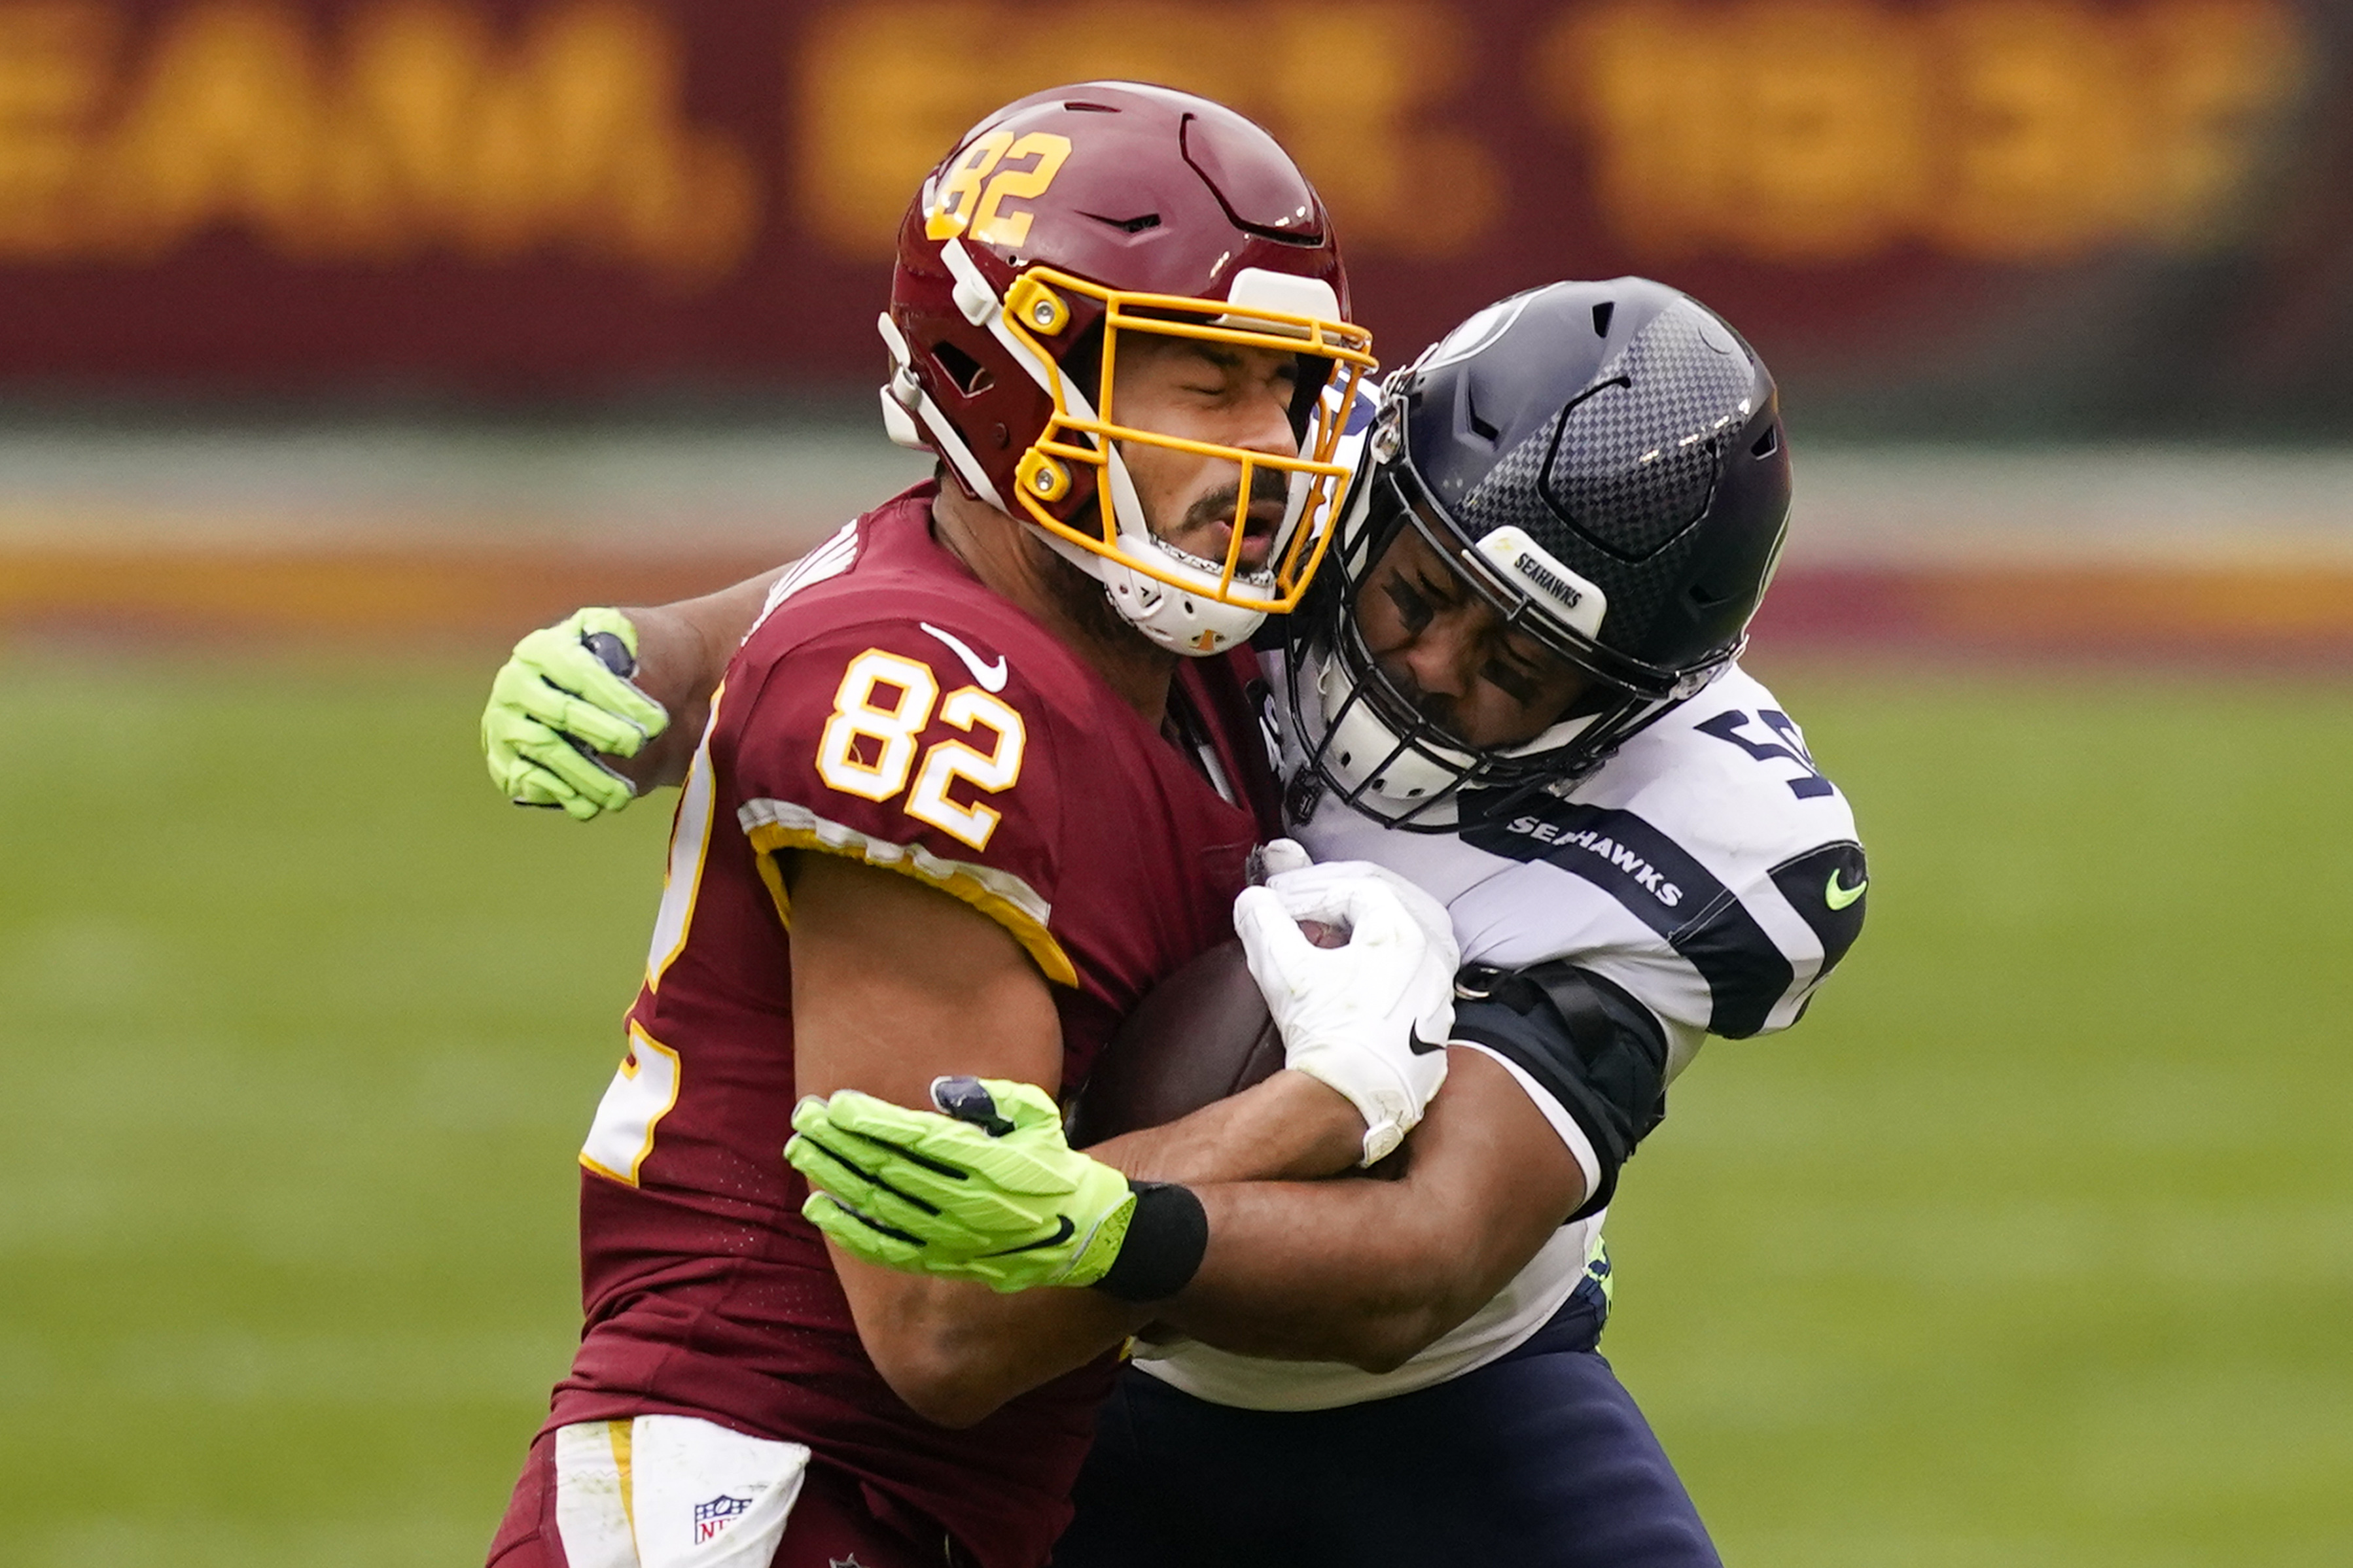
(1059, 222)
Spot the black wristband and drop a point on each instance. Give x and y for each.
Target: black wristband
(1167, 1235)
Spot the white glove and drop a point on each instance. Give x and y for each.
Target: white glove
(1370, 1018)
(1284, 865)
(1277, 856)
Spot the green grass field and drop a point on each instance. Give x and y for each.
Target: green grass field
(2032, 1246)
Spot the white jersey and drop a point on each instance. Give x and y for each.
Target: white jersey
(1708, 868)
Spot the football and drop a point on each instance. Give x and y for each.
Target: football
(1200, 1036)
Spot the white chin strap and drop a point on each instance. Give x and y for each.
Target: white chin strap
(1185, 619)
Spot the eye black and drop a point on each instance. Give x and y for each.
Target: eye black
(1415, 609)
(1518, 685)
(1432, 591)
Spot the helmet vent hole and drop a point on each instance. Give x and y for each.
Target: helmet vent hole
(1484, 431)
(1705, 598)
(1090, 107)
(1129, 224)
(1768, 444)
(1602, 314)
(970, 376)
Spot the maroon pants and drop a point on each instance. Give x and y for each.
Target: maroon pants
(837, 1521)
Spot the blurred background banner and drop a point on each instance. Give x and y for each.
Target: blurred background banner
(1934, 216)
(369, 316)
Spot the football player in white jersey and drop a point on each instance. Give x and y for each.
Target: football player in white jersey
(1516, 686)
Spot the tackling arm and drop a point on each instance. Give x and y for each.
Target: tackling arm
(1370, 1272)
(1290, 1127)
(1364, 1272)
(586, 729)
(682, 651)
(864, 1018)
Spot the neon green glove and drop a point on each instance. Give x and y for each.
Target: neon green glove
(993, 1193)
(556, 703)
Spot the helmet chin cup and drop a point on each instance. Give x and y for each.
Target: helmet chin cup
(1192, 625)
(1414, 775)
(1364, 755)
(1182, 623)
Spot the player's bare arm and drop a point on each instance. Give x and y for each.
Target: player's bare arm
(893, 986)
(1290, 1127)
(682, 650)
(591, 712)
(1364, 1272)
(869, 1016)
(1368, 1271)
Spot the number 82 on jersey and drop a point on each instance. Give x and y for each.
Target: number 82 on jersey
(868, 745)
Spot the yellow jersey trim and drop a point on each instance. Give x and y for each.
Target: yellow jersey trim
(772, 825)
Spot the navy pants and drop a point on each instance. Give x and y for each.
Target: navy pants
(1539, 1460)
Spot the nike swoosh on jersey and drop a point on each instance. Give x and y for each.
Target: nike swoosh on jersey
(1839, 898)
(1420, 1047)
(991, 677)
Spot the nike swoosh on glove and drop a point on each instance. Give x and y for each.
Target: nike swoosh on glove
(1009, 1203)
(1370, 1018)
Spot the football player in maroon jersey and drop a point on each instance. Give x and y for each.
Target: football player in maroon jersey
(958, 803)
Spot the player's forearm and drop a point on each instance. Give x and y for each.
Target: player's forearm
(682, 650)
(1349, 1270)
(866, 1019)
(955, 1351)
(1289, 1128)
(1371, 1272)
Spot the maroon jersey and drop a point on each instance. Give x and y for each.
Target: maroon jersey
(887, 706)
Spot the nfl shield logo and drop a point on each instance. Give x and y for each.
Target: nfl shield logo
(710, 1518)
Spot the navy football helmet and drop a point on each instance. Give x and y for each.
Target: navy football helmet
(1603, 465)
